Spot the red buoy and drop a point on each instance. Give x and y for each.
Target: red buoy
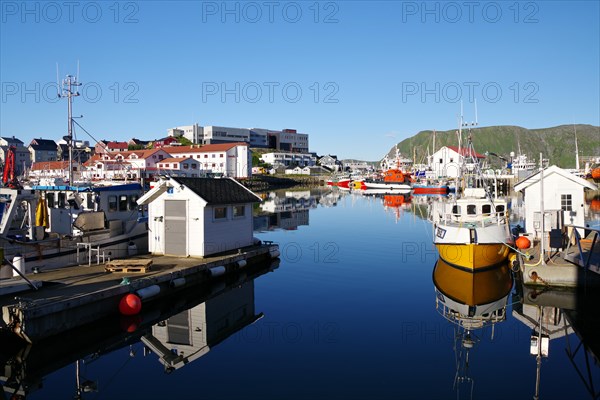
(130, 304)
(523, 242)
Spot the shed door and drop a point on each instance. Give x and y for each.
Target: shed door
(175, 227)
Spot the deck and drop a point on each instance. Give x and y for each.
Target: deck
(73, 296)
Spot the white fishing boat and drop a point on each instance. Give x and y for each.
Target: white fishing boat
(472, 231)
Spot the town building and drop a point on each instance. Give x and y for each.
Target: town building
(198, 217)
(193, 133)
(227, 159)
(22, 154)
(43, 150)
(330, 162)
(289, 159)
(56, 171)
(185, 167)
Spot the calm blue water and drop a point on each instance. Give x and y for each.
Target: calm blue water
(349, 313)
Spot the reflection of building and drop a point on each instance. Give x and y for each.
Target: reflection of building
(189, 335)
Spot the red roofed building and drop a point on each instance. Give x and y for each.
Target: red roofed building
(229, 159)
(447, 161)
(53, 170)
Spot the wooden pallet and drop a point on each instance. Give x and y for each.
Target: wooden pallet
(128, 266)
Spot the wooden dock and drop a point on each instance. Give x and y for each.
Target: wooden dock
(578, 264)
(73, 296)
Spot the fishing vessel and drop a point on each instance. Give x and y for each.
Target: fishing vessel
(472, 230)
(57, 223)
(395, 174)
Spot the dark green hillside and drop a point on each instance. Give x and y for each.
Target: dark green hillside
(557, 143)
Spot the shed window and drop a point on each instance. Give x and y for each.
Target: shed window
(239, 211)
(471, 209)
(486, 209)
(220, 212)
(566, 202)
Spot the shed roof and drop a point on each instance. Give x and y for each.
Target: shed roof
(219, 190)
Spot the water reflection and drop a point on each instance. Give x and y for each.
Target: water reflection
(177, 331)
(289, 210)
(470, 301)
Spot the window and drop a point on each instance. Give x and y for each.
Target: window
(486, 209)
(112, 203)
(220, 212)
(133, 201)
(441, 161)
(213, 156)
(238, 211)
(471, 209)
(451, 159)
(566, 202)
(500, 210)
(194, 166)
(221, 155)
(206, 156)
(50, 199)
(456, 210)
(186, 166)
(123, 202)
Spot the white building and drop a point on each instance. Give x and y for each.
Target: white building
(447, 161)
(229, 159)
(289, 159)
(186, 167)
(562, 191)
(193, 133)
(197, 217)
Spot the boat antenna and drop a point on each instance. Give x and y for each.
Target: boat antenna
(68, 90)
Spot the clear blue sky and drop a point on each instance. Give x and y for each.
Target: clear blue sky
(370, 73)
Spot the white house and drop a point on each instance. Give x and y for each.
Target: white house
(174, 166)
(446, 162)
(229, 159)
(289, 159)
(197, 217)
(562, 191)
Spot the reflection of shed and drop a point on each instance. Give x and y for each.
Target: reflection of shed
(562, 191)
(198, 216)
(189, 335)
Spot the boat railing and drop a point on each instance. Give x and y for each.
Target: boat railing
(477, 220)
(470, 322)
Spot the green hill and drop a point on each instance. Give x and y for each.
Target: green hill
(557, 143)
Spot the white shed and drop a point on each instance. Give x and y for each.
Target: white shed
(562, 191)
(197, 217)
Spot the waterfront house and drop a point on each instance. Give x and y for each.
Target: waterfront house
(447, 161)
(227, 159)
(197, 217)
(563, 191)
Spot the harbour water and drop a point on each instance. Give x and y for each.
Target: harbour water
(349, 312)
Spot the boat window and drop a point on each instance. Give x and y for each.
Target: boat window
(62, 200)
(123, 203)
(50, 199)
(455, 209)
(133, 201)
(112, 203)
(471, 209)
(486, 209)
(90, 201)
(500, 210)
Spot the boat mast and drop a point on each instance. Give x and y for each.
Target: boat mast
(68, 90)
(576, 149)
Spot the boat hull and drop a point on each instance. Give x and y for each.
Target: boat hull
(427, 189)
(386, 185)
(473, 256)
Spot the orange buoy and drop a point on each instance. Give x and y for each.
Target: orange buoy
(596, 173)
(523, 242)
(130, 304)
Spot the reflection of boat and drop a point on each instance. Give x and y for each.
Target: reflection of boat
(470, 300)
(430, 188)
(216, 311)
